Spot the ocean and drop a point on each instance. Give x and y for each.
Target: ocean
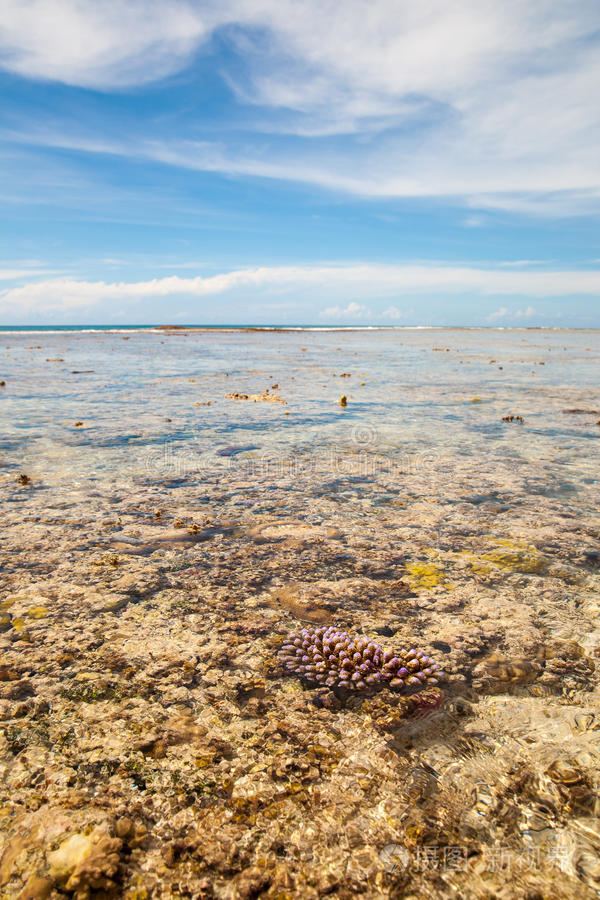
(176, 501)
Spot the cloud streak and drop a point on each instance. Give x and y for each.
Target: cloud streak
(365, 282)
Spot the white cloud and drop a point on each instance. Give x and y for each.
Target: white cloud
(392, 312)
(525, 313)
(108, 44)
(352, 311)
(504, 313)
(370, 282)
(492, 101)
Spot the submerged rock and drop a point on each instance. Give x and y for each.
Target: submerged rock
(85, 862)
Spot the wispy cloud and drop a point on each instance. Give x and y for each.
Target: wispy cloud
(367, 282)
(107, 45)
(494, 102)
(12, 274)
(24, 268)
(523, 263)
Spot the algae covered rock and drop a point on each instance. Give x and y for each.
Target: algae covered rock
(425, 575)
(516, 557)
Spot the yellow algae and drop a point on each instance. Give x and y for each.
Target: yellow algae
(511, 556)
(474, 563)
(20, 626)
(476, 400)
(37, 612)
(425, 575)
(10, 601)
(478, 567)
(517, 558)
(513, 545)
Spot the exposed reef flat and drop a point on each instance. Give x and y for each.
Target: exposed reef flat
(151, 744)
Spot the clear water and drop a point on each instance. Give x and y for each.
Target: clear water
(408, 403)
(174, 527)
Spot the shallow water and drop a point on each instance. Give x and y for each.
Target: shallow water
(164, 546)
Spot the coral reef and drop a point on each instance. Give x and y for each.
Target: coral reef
(150, 747)
(336, 659)
(265, 397)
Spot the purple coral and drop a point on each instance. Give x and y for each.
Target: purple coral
(336, 659)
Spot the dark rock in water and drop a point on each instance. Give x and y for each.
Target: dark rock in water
(592, 558)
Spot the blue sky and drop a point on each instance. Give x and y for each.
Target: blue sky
(300, 161)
